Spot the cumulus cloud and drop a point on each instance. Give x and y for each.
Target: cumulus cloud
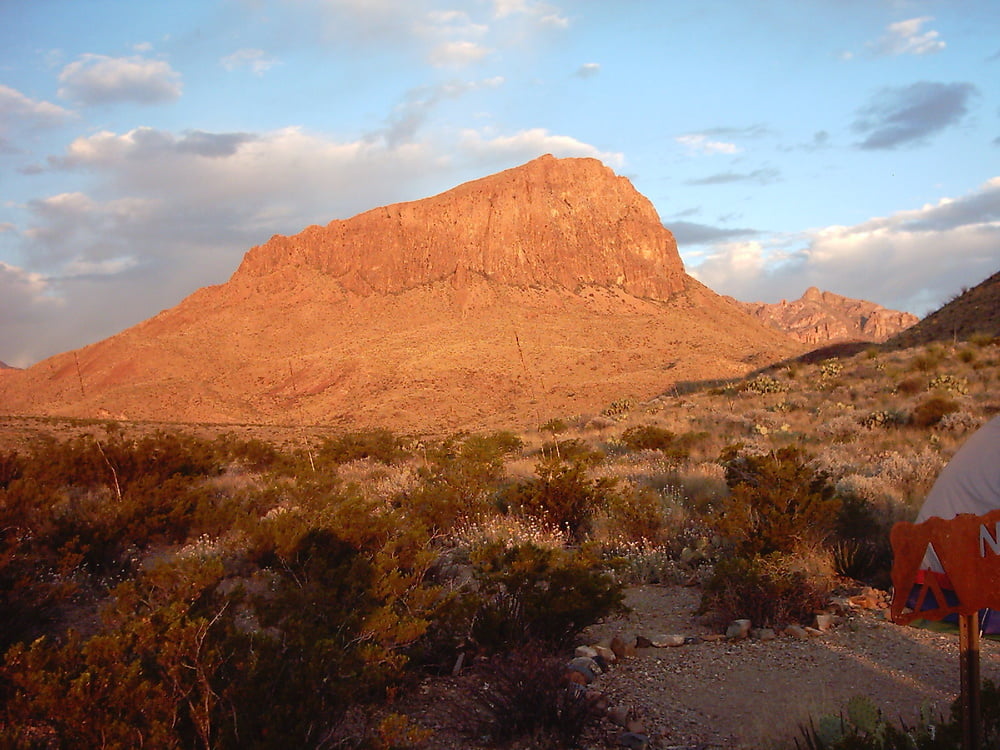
(700, 143)
(99, 79)
(906, 115)
(16, 107)
(254, 60)
(528, 144)
(906, 38)
(26, 306)
(893, 260)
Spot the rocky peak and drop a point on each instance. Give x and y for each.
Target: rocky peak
(545, 223)
(820, 317)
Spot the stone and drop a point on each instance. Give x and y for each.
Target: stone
(623, 649)
(585, 662)
(738, 630)
(642, 641)
(588, 676)
(796, 631)
(605, 653)
(824, 621)
(763, 634)
(813, 632)
(667, 641)
(577, 677)
(633, 740)
(589, 651)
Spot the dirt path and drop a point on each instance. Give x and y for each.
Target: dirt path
(749, 694)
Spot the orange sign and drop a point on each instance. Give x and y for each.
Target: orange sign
(967, 578)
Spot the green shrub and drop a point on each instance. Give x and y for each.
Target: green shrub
(766, 590)
(764, 384)
(864, 727)
(377, 444)
(776, 502)
(528, 593)
(653, 438)
(561, 494)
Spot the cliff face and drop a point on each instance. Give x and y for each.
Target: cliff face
(818, 318)
(546, 290)
(552, 222)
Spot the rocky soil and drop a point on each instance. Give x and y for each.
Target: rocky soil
(714, 693)
(754, 693)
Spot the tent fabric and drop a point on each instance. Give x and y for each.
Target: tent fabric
(970, 483)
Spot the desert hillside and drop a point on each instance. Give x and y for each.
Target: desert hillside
(548, 289)
(972, 312)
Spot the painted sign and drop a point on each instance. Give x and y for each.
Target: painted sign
(943, 567)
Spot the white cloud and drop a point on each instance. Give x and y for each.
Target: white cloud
(254, 60)
(26, 307)
(701, 144)
(98, 79)
(15, 106)
(905, 38)
(457, 54)
(893, 260)
(545, 14)
(527, 144)
(588, 69)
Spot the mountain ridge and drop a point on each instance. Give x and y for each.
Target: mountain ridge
(820, 317)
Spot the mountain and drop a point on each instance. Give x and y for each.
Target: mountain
(550, 289)
(819, 318)
(5, 366)
(973, 311)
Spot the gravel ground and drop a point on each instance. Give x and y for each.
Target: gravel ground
(754, 694)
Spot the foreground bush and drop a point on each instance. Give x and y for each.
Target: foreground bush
(524, 697)
(777, 503)
(862, 726)
(768, 590)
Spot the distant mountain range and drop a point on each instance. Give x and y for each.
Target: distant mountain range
(819, 318)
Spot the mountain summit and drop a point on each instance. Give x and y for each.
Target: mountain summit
(546, 290)
(552, 222)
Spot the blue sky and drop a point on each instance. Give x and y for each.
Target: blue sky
(852, 145)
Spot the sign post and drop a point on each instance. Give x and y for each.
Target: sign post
(950, 567)
(972, 718)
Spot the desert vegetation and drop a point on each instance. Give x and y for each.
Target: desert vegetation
(164, 587)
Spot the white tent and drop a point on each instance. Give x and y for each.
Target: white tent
(970, 483)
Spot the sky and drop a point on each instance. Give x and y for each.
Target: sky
(852, 145)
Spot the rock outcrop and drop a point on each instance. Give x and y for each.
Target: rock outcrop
(818, 318)
(547, 290)
(553, 223)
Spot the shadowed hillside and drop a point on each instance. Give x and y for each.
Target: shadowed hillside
(974, 311)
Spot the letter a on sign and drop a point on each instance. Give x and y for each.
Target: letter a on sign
(943, 567)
